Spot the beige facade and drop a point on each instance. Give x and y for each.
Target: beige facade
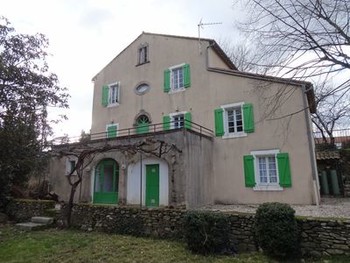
(280, 110)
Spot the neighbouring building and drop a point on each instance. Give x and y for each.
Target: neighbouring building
(224, 136)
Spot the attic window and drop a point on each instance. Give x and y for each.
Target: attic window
(143, 54)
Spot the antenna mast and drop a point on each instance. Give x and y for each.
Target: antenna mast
(200, 25)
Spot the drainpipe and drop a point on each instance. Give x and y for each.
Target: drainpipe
(140, 179)
(311, 148)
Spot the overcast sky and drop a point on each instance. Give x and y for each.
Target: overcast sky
(85, 35)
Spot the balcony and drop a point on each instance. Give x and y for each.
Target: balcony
(135, 132)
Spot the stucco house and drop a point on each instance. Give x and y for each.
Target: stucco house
(231, 137)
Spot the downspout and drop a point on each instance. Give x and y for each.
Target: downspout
(311, 149)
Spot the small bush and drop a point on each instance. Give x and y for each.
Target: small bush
(208, 233)
(276, 230)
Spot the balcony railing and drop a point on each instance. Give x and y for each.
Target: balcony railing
(142, 131)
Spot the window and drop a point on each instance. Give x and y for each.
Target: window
(267, 170)
(111, 94)
(142, 56)
(70, 165)
(177, 78)
(111, 130)
(142, 89)
(234, 120)
(142, 124)
(177, 120)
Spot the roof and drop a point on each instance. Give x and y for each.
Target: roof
(326, 155)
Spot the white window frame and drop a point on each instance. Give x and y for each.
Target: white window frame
(265, 186)
(172, 115)
(110, 125)
(69, 161)
(180, 88)
(143, 54)
(228, 134)
(115, 85)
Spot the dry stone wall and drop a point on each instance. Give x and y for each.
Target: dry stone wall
(319, 237)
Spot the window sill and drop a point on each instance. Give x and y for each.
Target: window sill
(268, 188)
(112, 105)
(176, 91)
(234, 135)
(143, 63)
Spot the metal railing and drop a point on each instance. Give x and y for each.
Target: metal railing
(142, 131)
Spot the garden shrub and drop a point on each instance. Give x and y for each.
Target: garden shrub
(276, 230)
(208, 232)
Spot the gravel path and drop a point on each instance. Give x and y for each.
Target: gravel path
(329, 207)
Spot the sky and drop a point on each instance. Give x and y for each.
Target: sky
(85, 35)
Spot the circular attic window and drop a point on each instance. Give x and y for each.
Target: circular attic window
(142, 89)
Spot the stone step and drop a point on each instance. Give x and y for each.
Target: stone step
(28, 226)
(42, 220)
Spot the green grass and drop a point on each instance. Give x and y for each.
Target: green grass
(74, 246)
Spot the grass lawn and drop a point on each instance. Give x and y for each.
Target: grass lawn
(75, 246)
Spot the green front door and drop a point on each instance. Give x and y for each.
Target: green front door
(152, 185)
(106, 182)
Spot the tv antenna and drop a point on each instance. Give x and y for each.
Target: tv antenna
(201, 26)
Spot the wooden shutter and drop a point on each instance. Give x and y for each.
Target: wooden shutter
(166, 122)
(105, 91)
(219, 122)
(188, 120)
(248, 118)
(284, 170)
(167, 80)
(187, 75)
(112, 131)
(249, 174)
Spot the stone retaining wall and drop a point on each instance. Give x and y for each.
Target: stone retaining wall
(21, 210)
(318, 236)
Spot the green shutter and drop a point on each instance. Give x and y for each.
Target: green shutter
(188, 120)
(105, 95)
(167, 80)
(284, 170)
(219, 122)
(248, 118)
(249, 175)
(187, 75)
(166, 122)
(112, 131)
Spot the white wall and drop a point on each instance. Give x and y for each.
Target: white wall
(133, 182)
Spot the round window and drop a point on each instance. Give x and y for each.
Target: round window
(142, 89)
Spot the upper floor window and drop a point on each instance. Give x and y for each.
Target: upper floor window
(177, 78)
(111, 94)
(234, 120)
(177, 120)
(142, 55)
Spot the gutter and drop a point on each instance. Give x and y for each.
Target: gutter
(316, 184)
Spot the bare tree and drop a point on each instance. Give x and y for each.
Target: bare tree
(301, 38)
(333, 111)
(85, 153)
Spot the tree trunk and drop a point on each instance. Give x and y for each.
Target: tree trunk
(71, 202)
